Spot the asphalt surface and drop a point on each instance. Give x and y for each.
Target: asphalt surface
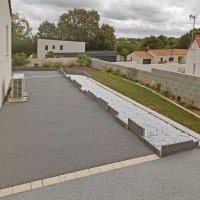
(175, 177)
(58, 131)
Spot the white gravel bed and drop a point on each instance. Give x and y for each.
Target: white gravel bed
(157, 131)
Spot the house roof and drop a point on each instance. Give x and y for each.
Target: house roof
(143, 54)
(166, 52)
(161, 52)
(197, 38)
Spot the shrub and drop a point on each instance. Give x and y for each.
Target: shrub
(20, 59)
(117, 72)
(47, 64)
(158, 87)
(153, 84)
(57, 64)
(72, 64)
(50, 54)
(188, 104)
(84, 60)
(109, 69)
(179, 98)
(166, 93)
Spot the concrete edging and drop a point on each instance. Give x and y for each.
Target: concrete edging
(119, 121)
(162, 117)
(102, 103)
(173, 148)
(112, 111)
(135, 128)
(90, 95)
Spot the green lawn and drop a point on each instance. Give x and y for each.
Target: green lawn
(147, 98)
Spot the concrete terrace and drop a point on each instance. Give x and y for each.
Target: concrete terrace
(58, 131)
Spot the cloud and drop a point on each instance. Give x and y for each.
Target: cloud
(130, 18)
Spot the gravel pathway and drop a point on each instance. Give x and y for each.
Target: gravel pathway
(157, 131)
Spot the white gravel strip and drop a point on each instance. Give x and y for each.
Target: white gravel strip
(157, 131)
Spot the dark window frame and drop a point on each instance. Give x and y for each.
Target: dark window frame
(46, 47)
(61, 47)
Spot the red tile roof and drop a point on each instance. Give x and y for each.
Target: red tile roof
(161, 52)
(143, 54)
(197, 38)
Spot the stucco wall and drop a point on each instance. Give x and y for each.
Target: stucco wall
(68, 47)
(186, 86)
(5, 48)
(64, 61)
(193, 60)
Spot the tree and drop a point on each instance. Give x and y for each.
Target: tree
(22, 39)
(185, 40)
(79, 25)
(106, 38)
(47, 30)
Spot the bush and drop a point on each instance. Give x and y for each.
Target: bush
(50, 54)
(20, 59)
(57, 64)
(189, 104)
(117, 72)
(109, 70)
(158, 87)
(84, 60)
(166, 93)
(72, 64)
(153, 85)
(47, 64)
(179, 98)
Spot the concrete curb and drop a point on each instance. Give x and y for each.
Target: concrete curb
(135, 128)
(76, 175)
(119, 121)
(173, 148)
(90, 95)
(162, 117)
(102, 103)
(112, 111)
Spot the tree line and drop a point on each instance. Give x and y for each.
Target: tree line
(84, 25)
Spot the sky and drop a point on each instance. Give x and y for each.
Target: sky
(130, 18)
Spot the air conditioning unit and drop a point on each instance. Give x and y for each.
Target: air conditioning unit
(18, 89)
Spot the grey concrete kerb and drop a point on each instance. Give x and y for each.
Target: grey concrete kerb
(177, 125)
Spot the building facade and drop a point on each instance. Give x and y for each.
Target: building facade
(158, 56)
(193, 58)
(5, 48)
(58, 47)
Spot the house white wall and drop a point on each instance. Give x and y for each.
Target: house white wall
(193, 60)
(54, 45)
(5, 48)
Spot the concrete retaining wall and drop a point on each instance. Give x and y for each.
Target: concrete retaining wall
(173, 148)
(135, 128)
(102, 103)
(186, 86)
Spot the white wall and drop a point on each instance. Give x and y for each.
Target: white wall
(5, 48)
(68, 47)
(193, 60)
(172, 67)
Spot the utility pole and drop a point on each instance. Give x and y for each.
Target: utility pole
(193, 18)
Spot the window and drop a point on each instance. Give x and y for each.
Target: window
(194, 68)
(7, 40)
(171, 59)
(46, 47)
(146, 61)
(61, 47)
(53, 47)
(161, 59)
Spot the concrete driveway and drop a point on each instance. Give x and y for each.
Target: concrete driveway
(58, 131)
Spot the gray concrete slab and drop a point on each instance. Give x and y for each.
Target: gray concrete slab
(59, 130)
(174, 177)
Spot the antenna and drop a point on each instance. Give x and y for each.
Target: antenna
(193, 18)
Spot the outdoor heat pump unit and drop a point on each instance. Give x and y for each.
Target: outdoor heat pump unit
(18, 88)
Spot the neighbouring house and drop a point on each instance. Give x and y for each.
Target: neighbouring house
(58, 47)
(158, 56)
(71, 49)
(193, 58)
(5, 48)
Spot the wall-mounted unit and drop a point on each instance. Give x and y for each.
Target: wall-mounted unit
(18, 88)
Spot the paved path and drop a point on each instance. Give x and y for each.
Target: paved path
(175, 177)
(58, 131)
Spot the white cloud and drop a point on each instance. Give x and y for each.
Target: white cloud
(130, 18)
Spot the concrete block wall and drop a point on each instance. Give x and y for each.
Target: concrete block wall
(186, 86)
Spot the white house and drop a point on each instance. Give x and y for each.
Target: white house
(158, 56)
(58, 47)
(193, 58)
(5, 48)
